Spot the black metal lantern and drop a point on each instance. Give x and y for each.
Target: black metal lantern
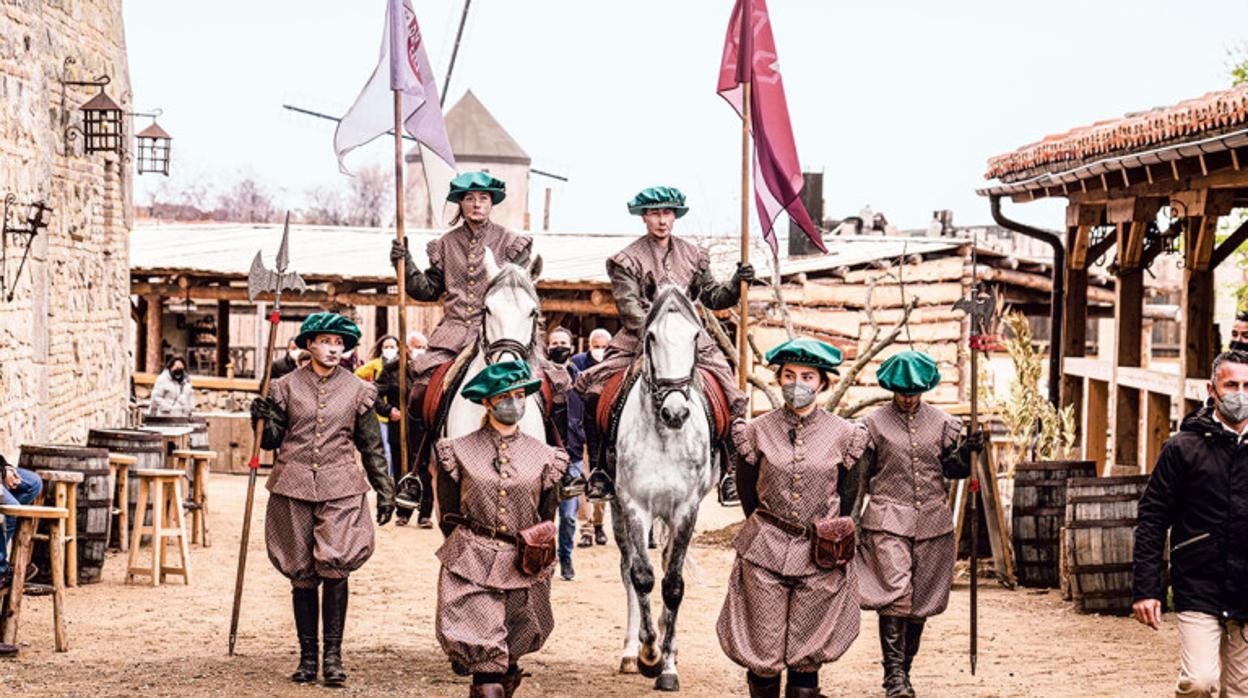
(153, 145)
(23, 236)
(101, 128)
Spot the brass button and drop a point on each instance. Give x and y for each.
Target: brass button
(472, 282)
(322, 405)
(502, 510)
(502, 493)
(505, 476)
(797, 442)
(917, 502)
(315, 466)
(498, 544)
(322, 391)
(503, 445)
(797, 476)
(913, 444)
(793, 513)
(320, 420)
(318, 433)
(471, 268)
(502, 529)
(316, 450)
(798, 457)
(504, 459)
(797, 497)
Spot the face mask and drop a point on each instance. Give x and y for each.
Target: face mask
(178, 375)
(598, 354)
(509, 411)
(797, 395)
(347, 354)
(294, 354)
(559, 354)
(389, 354)
(1239, 346)
(1233, 407)
(415, 352)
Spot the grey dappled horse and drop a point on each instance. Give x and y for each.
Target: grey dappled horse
(663, 471)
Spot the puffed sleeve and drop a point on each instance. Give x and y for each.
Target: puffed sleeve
(742, 433)
(448, 462)
(555, 468)
(951, 435)
(518, 249)
(859, 440)
(434, 251)
(367, 399)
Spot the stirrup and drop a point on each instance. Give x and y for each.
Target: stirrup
(600, 488)
(571, 487)
(727, 491)
(409, 491)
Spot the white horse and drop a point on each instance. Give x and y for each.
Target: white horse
(508, 331)
(664, 469)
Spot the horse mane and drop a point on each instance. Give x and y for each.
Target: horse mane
(670, 293)
(513, 276)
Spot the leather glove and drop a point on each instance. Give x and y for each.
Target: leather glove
(384, 512)
(263, 408)
(745, 272)
(975, 442)
(398, 250)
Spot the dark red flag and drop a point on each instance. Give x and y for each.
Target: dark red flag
(750, 55)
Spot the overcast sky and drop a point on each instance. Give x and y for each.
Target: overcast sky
(899, 103)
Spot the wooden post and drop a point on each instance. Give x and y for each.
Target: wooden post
(1079, 222)
(1197, 345)
(223, 337)
(743, 326)
(546, 211)
(401, 276)
(1156, 428)
(1096, 423)
(155, 357)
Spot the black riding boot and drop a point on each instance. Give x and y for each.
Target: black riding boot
(487, 686)
(914, 633)
(511, 680)
(727, 474)
(307, 618)
(802, 684)
(601, 483)
(415, 437)
(763, 686)
(334, 612)
(893, 649)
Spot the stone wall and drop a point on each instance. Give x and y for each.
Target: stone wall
(64, 338)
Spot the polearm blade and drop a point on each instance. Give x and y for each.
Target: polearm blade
(261, 280)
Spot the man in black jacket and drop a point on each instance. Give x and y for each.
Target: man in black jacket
(1198, 492)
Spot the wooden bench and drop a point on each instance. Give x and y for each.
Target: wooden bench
(62, 485)
(197, 465)
(119, 465)
(163, 488)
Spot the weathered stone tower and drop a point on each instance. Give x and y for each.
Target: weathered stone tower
(64, 343)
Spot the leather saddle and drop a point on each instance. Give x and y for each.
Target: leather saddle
(620, 384)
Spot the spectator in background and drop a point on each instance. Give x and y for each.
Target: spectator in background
(173, 395)
(18, 486)
(591, 513)
(559, 351)
(417, 344)
(1239, 333)
(287, 363)
(1196, 494)
(385, 350)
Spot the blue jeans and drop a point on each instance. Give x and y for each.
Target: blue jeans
(567, 516)
(25, 493)
(385, 445)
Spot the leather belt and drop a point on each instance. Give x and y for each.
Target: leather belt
(787, 525)
(480, 529)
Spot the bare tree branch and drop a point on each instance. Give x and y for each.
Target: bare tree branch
(716, 330)
(861, 405)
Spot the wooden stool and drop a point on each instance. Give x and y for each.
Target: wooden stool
(119, 472)
(197, 464)
(164, 489)
(63, 486)
(11, 609)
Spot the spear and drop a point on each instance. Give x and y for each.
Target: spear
(261, 280)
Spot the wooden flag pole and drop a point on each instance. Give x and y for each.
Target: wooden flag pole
(401, 274)
(743, 325)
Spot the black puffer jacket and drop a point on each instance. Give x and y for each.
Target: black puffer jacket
(1199, 493)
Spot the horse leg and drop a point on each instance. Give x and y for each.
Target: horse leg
(619, 527)
(673, 592)
(641, 575)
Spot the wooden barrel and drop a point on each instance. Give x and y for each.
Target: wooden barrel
(95, 500)
(147, 447)
(198, 439)
(1101, 514)
(1038, 514)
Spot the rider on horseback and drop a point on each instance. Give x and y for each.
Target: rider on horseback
(457, 271)
(657, 258)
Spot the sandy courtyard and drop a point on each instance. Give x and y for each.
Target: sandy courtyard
(172, 640)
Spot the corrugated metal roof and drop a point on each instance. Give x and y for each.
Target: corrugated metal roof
(362, 254)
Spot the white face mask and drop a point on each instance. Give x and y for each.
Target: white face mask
(416, 352)
(598, 354)
(389, 353)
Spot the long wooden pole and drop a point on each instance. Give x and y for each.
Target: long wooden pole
(743, 325)
(401, 274)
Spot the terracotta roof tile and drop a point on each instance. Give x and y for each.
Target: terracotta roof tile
(1190, 119)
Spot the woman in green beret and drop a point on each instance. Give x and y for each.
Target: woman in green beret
(456, 275)
(316, 526)
(659, 257)
(907, 544)
(784, 612)
(494, 484)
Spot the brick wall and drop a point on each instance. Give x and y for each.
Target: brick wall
(64, 338)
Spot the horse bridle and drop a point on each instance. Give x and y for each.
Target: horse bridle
(492, 350)
(661, 388)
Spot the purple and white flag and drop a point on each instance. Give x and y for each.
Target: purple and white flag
(403, 66)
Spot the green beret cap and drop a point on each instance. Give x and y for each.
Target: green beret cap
(477, 181)
(502, 377)
(328, 323)
(807, 352)
(658, 197)
(909, 373)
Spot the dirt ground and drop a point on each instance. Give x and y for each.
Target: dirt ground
(172, 640)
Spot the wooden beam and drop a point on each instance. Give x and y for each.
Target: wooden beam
(1074, 325)
(1156, 428)
(1198, 343)
(223, 337)
(155, 358)
(1096, 251)
(1128, 326)
(1096, 423)
(1229, 246)
(1198, 244)
(1131, 251)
